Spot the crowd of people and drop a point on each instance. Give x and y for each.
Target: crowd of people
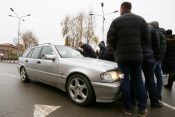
(138, 46)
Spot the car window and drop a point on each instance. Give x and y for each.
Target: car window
(36, 53)
(47, 50)
(30, 54)
(25, 54)
(68, 52)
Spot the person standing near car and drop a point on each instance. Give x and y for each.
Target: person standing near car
(87, 50)
(127, 35)
(105, 52)
(159, 57)
(151, 52)
(169, 60)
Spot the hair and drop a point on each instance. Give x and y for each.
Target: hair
(80, 42)
(154, 24)
(126, 5)
(168, 32)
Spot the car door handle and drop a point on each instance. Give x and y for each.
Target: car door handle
(26, 61)
(39, 62)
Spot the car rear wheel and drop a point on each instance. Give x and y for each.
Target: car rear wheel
(23, 75)
(80, 90)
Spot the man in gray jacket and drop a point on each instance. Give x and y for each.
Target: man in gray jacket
(127, 35)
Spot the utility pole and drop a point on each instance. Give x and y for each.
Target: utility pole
(103, 19)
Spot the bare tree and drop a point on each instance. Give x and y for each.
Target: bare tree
(65, 25)
(74, 29)
(29, 39)
(78, 29)
(66, 30)
(89, 26)
(94, 40)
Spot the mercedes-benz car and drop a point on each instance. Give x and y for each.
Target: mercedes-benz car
(83, 79)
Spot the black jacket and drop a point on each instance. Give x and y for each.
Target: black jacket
(126, 36)
(105, 53)
(88, 51)
(162, 39)
(151, 49)
(168, 64)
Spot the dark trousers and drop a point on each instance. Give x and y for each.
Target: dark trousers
(158, 74)
(133, 69)
(148, 70)
(171, 79)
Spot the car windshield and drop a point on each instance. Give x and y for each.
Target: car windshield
(68, 52)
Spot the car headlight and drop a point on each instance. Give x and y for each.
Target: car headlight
(111, 76)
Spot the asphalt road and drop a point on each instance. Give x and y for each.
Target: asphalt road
(19, 99)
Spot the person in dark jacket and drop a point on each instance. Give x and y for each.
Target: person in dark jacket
(102, 51)
(169, 60)
(105, 53)
(150, 52)
(159, 57)
(126, 37)
(163, 46)
(87, 50)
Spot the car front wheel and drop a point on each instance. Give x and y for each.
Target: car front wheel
(80, 90)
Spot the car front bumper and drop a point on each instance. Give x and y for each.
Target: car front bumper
(106, 92)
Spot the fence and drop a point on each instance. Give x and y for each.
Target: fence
(9, 60)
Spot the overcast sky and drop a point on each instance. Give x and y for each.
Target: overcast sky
(46, 15)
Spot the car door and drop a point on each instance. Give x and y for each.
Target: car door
(27, 62)
(34, 63)
(23, 60)
(48, 68)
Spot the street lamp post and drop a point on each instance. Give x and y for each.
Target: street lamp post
(19, 21)
(103, 18)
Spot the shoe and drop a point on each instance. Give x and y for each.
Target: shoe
(168, 87)
(127, 111)
(158, 105)
(143, 113)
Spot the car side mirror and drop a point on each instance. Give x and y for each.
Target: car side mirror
(49, 57)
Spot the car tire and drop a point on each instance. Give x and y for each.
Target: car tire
(23, 75)
(80, 90)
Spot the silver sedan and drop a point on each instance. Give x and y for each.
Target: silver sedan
(83, 78)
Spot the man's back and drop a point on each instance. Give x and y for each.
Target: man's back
(170, 54)
(126, 36)
(88, 51)
(163, 47)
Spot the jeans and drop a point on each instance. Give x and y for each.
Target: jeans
(148, 70)
(158, 74)
(132, 69)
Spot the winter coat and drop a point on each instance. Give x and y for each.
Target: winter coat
(168, 64)
(126, 36)
(151, 50)
(162, 39)
(105, 53)
(102, 52)
(88, 51)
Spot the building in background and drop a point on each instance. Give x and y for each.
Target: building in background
(8, 50)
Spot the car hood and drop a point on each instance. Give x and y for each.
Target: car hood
(91, 63)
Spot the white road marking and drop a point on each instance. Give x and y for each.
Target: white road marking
(167, 105)
(44, 110)
(9, 75)
(39, 110)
